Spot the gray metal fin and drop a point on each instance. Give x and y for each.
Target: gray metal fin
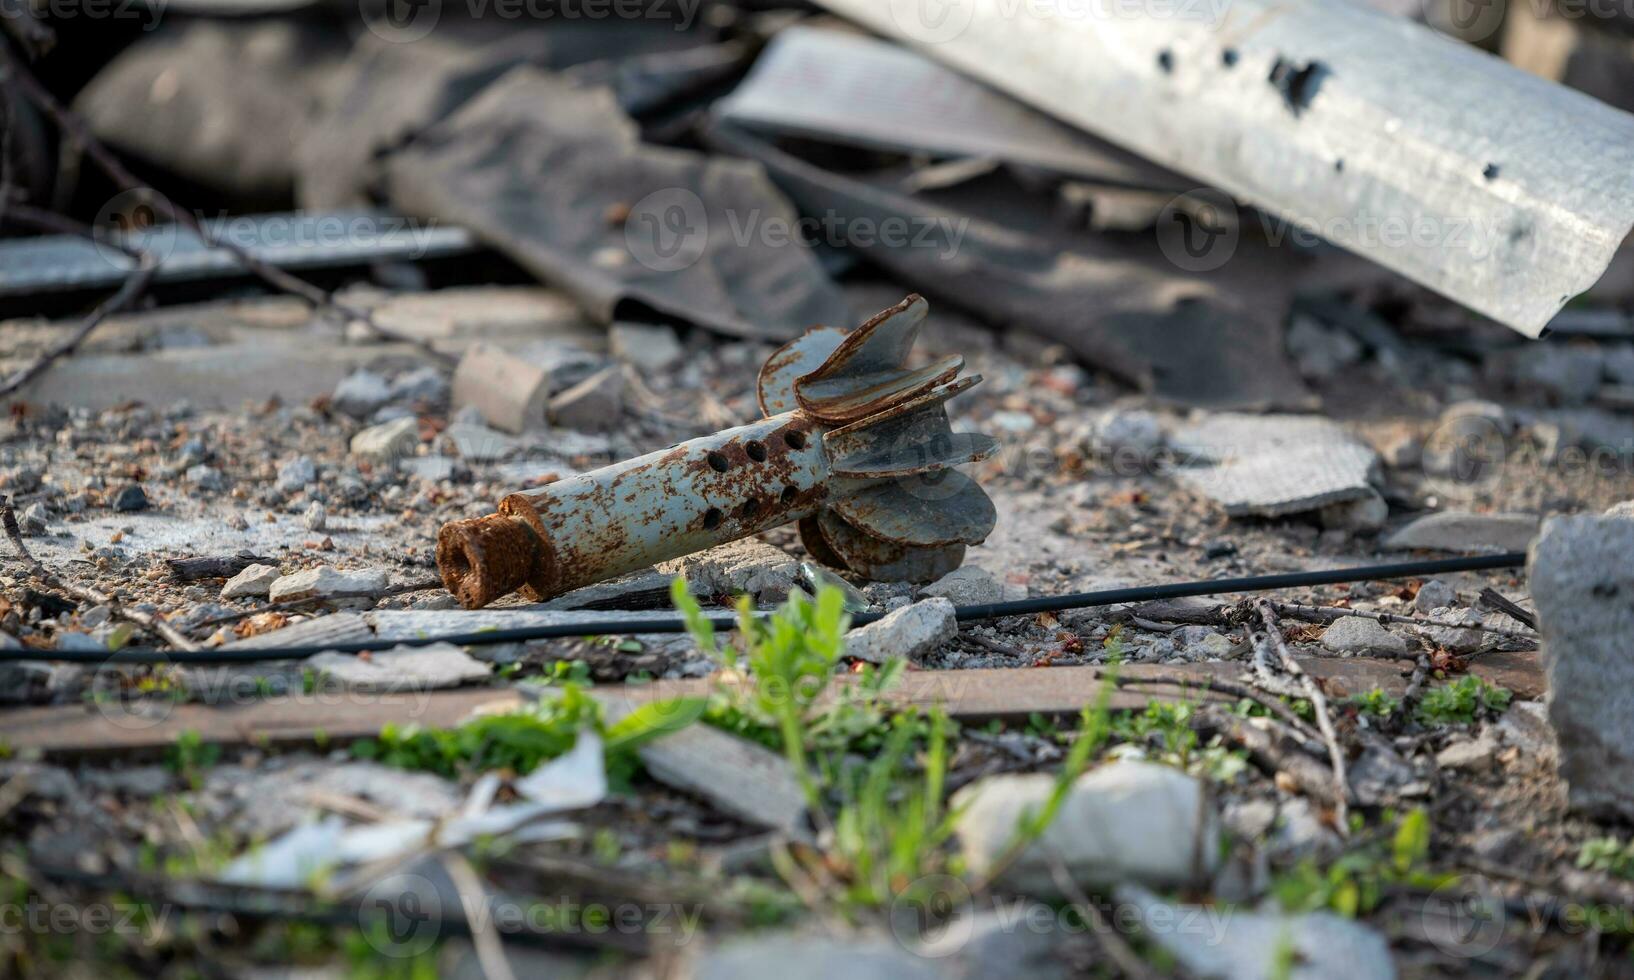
(927, 510)
(868, 371)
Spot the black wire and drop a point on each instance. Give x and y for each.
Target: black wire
(674, 624)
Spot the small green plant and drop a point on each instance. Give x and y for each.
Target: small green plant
(1608, 855)
(1459, 702)
(1377, 703)
(1164, 727)
(189, 755)
(1354, 883)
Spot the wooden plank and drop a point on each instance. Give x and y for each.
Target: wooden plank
(968, 695)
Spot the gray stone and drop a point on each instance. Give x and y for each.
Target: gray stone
(1470, 754)
(1363, 515)
(478, 443)
(95, 616)
(595, 404)
(387, 442)
(1525, 725)
(1355, 635)
(967, 585)
(749, 566)
(316, 517)
(253, 582)
(432, 469)
(297, 474)
(35, 520)
(426, 668)
(1319, 350)
(1434, 594)
(913, 632)
(424, 385)
(1242, 945)
(1126, 821)
(1466, 637)
(327, 582)
(1127, 432)
(1199, 643)
(1021, 940)
(738, 777)
(1582, 582)
(130, 498)
(141, 782)
(1462, 531)
(1300, 833)
(361, 394)
(645, 347)
(1569, 375)
(205, 477)
(797, 956)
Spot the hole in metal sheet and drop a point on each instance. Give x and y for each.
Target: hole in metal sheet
(750, 508)
(790, 492)
(1165, 61)
(718, 462)
(795, 438)
(712, 519)
(756, 450)
(1228, 57)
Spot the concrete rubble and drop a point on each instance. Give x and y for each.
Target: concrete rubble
(911, 632)
(1458, 531)
(1274, 465)
(328, 583)
(1356, 635)
(423, 668)
(253, 582)
(741, 567)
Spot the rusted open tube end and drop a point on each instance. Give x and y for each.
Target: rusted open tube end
(484, 558)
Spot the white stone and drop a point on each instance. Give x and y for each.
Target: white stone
(316, 517)
(967, 585)
(1226, 944)
(1361, 635)
(1466, 637)
(360, 394)
(1125, 821)
(912, 632)
(253, 582)
(297, 474)
(35, 520)
(647, 348)
(1363, 515)
(327, 582)
(478, 443)
(205, 477)
(387, 442)
(1582, 582)
(1461, 531)
(1132, 432)
(1473, 754)
(1525, 725)
(424, 668)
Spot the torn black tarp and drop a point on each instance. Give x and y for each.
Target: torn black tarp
(557, 178)
(1213, 340)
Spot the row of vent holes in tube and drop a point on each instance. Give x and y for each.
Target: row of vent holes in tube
(756, 450)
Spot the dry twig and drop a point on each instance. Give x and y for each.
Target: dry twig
(8, 518)
(1327, 614)
(1319, 704)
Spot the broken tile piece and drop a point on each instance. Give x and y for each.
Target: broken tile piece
(387, 442)
(425, 668)
(327, 582)
(1462, 531)
(912, 632)
(1357, 635)
(1270, 465)
(748, 566)
(254, 581)
(1581, 580)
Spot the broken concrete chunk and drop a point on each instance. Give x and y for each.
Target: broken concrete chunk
(748, 566)
(1582, 582)
(1358, 635)
(327, 582)
(253, 582)
(1470, 754)
(478, 443)
(1126, 821)
(425, 668)
(385, 443)
(1526, 726)
(1434, 594)
(593, 405)
(913, 632)
(1465, 637)
(510, 392)
(1127, 432)
(361, 394)
(645, 347)
(1362, 515)
(1241, 945)
(967, 585)
(35, 520)
(1462, 531)
(297, 474)
(1270, 465)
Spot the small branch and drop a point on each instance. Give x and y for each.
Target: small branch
(8, 518)
(1327, 614)
(1270, 703)
(490, 948)
(71, 125)
(1319, 703)
(193, 568)
(1493, 599)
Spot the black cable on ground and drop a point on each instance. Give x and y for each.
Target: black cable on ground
(674, 624)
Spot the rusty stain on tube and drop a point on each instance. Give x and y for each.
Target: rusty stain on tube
(855, 446)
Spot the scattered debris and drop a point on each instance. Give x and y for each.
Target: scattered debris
(423, 668)
(648, 349)
(911, 632)
(387, 442)
(326, 582)
(255, 581)
(747, 567)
